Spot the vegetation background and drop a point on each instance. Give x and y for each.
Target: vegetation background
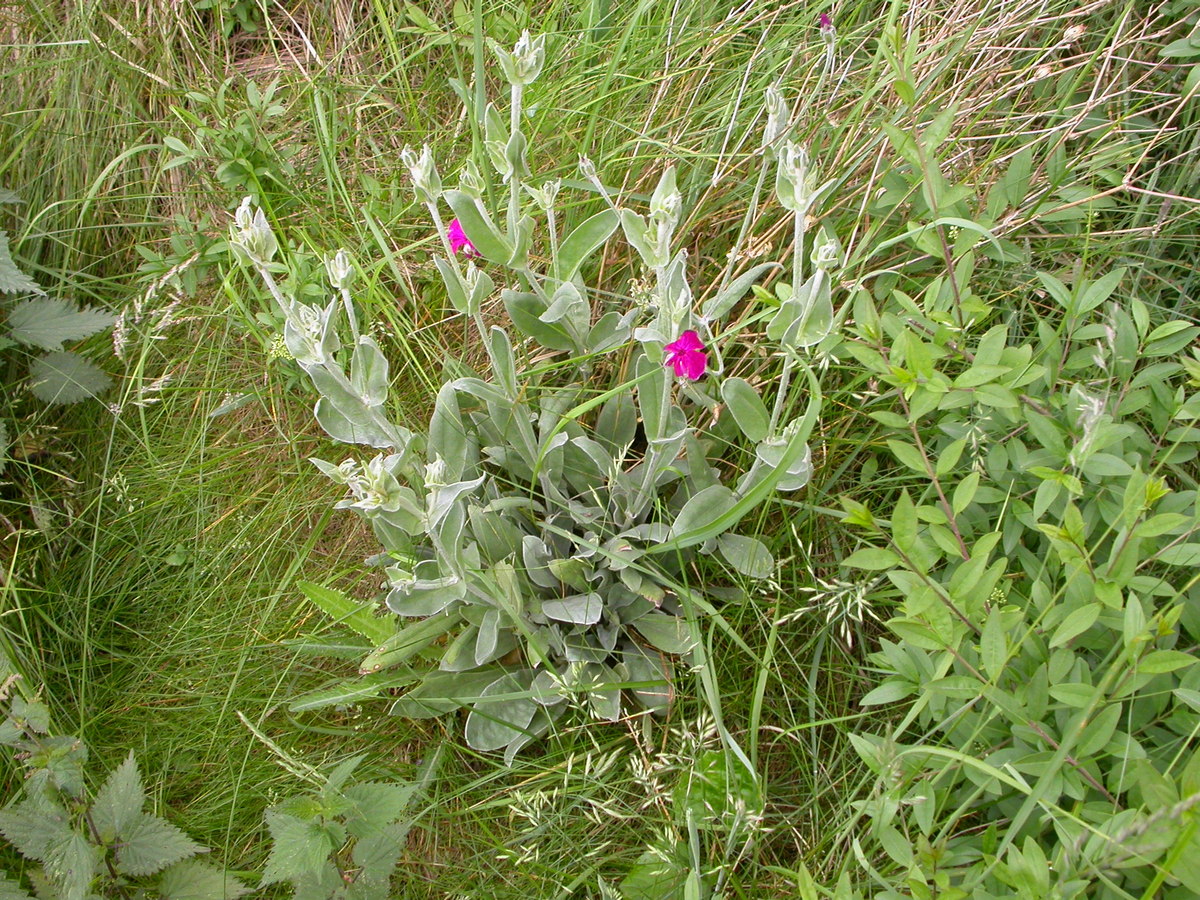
(153, 541)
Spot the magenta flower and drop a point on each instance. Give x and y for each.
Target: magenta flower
(686, 356)
(825, 22)
(459, 240)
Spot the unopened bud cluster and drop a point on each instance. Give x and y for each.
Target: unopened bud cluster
(424, 174)
(251, 236)
(523, 65)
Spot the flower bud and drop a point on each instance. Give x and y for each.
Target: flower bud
(587, 169)
(794, 180)
(778, 116)
(250, 235)
(530, 55)
(426, 182)
(435, 473)
(470, 181)
(544, 196)
(826, 254)
(523, 65)
(340, 270)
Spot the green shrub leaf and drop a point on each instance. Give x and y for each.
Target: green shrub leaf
(11, 890)
(119, 803)
(12, 279)
(65, 377)
(300, 848)
(194, 880)
(34, 827)
(150, 844)
(46, 324)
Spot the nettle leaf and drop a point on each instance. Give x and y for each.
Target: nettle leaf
(376, 856)
(193, 880)
(34, 827)
(376, 804)
(71, 863)
(299, 848)
(11, 890)
(65, 377)
(151, 844)
(12, 279)
(119, 803)
(46, 324)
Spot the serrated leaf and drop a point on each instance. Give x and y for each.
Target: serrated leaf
(654, 878)
(65, 377)
(11, 890)
(298, 849)
(46, 324)
(119, 802)
(358, 615)
(352, 690)
(376, 854)
(151, 844)
(193, 880)
(71, 863)
(33, 828)
(12, 279)
(376, 804)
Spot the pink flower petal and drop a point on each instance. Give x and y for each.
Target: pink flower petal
(459, 240)
(693, 365)
(686, 356)
(686, 342)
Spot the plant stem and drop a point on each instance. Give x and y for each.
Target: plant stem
(514, 183)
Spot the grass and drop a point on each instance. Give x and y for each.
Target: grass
(158, 604)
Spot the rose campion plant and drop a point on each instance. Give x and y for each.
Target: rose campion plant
(540, 536)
